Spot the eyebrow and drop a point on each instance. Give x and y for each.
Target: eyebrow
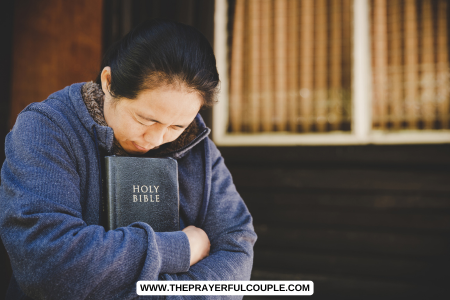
(156, 121)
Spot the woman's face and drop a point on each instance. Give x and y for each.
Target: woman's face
(154, 118)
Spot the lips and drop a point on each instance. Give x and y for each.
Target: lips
(139, 147)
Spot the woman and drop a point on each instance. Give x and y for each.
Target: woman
(145, 103)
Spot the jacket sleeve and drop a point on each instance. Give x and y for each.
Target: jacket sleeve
(228, 225)
(54, 253)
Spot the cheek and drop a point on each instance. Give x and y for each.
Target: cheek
(172, 135)
(126, 129)
(133, 131)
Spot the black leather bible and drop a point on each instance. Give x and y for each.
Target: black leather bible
(142, 189)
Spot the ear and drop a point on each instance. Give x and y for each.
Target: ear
(106, 80)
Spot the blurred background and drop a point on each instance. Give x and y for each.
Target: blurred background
(361, 220)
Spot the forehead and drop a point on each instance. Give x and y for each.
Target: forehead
(168, 101)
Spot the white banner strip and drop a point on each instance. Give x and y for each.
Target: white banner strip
(246, 288)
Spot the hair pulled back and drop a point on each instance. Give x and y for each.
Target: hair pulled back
(161, 52)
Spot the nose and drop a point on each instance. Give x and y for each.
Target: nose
(155, 135)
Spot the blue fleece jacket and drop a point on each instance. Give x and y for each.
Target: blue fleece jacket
(50, 202)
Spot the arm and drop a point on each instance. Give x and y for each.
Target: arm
(54, 253)
(228, 225)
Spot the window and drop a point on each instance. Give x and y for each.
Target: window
(332, 72)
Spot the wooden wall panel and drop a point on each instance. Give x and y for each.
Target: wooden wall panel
(55, 43)
(362, 222)
(6, 24)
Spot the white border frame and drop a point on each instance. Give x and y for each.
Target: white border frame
(361, 133)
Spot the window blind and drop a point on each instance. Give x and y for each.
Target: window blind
(410, 67)
(290, 66)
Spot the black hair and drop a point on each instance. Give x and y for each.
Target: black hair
(161, 52)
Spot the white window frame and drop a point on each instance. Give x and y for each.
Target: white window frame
(361, 133)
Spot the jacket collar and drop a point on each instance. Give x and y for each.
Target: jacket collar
(105, 134)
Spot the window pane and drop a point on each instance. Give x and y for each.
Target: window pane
(410, 64)
(290, 66)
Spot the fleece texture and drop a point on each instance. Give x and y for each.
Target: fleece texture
(51, 211)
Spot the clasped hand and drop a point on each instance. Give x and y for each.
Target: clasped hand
(199, 243)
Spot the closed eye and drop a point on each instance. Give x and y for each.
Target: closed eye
(142, 123)
(138, 117)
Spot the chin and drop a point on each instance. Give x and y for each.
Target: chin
(135, 151)
(139, 152)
